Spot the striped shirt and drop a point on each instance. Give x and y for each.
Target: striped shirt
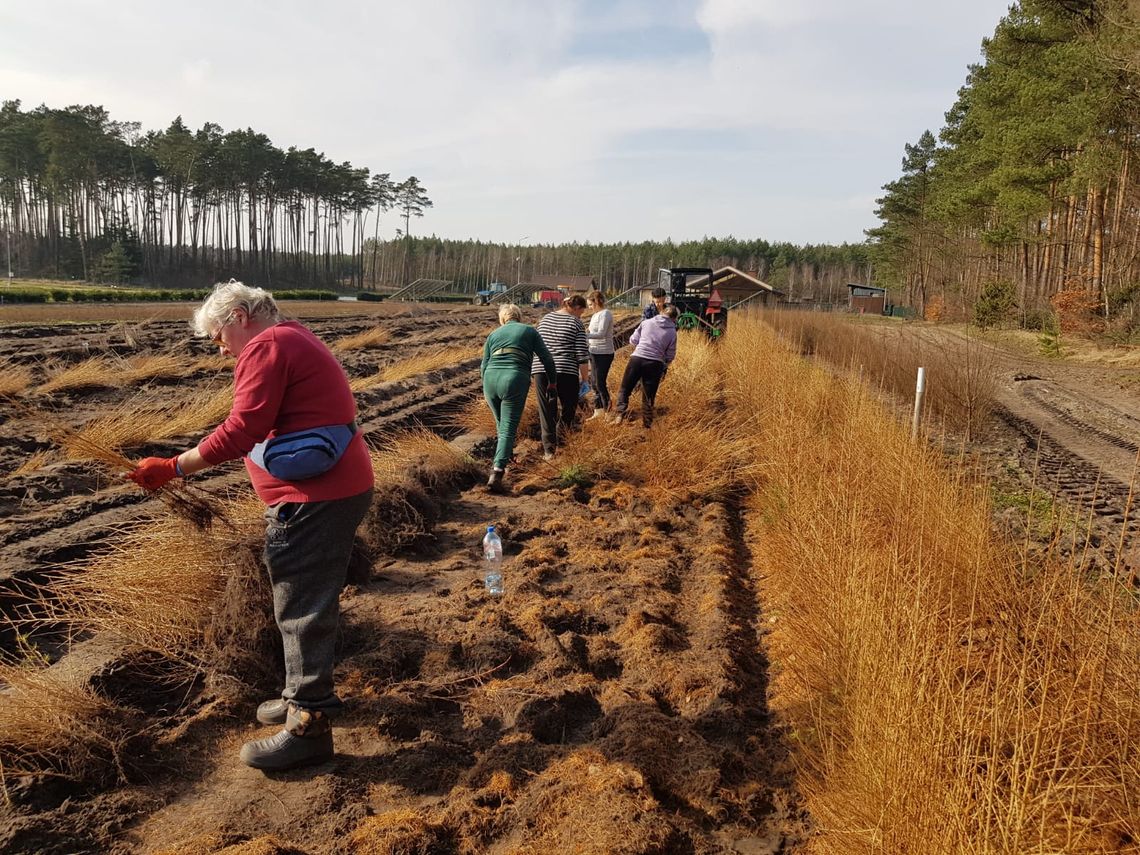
(565, 338)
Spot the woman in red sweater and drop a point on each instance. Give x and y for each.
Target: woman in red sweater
(286, 381)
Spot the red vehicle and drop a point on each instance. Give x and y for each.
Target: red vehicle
(548, 300)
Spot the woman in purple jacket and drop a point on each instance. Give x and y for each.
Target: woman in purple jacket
(655, 346)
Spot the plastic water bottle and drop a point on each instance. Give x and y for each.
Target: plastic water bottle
(493, 554)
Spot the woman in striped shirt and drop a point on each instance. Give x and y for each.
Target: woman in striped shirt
(565, 338)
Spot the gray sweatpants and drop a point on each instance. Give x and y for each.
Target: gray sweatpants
(307, 547)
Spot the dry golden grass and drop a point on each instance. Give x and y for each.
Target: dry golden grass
(14, 380)
(961, 372)
(202, 410)
(160, 582)
(90, 373)
(686, 453)
(368, 338)
(33, 462)
(222, 844)
(215, 362)
(394, 831)
(143, 419)
(435, 459)
(427, 361)
(139, 368)
(943, 692)
(48, 725)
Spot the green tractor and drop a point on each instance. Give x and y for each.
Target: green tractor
(697, 299)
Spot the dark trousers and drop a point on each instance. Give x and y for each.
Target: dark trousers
(647, 372)
(556, 409)
(600, 369)
(307, 546)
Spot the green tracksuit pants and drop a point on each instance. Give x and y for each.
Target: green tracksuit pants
(505, 390)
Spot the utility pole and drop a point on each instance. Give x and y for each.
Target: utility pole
(518, 260)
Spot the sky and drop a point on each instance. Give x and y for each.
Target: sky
(540, 121)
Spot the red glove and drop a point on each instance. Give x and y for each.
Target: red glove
(154, 472)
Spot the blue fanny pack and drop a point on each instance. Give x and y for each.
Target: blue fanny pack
(304, 453)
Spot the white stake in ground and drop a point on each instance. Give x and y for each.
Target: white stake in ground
(919, 391)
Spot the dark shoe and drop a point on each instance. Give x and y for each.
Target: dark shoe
(495, 482)
(305, 741)
(273, 712)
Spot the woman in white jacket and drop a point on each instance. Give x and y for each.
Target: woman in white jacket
(600, 339)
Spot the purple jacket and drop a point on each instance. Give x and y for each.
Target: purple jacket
(656, 339)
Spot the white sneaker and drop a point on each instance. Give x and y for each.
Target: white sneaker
(597, 415)
(548, 456)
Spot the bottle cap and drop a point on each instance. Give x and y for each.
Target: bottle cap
(490, 528)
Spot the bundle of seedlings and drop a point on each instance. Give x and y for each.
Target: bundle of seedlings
(424, 362)
(144, 419)
(195, 597)
(101, 442)
(413, 469)
(53, 731)
(14, 380)
(98, 371)
(152, 366)
(368, 338)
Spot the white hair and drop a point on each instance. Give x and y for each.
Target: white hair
(509, 312)
(217, 308)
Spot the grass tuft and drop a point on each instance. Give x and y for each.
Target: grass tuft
(98, 371)
(50, 726)
(368, 338)
(14, 380)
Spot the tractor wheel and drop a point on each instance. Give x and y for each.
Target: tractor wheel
(688, 321)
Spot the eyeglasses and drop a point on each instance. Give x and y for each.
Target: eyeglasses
(216, 338)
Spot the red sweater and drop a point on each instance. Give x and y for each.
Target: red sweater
(286, 380)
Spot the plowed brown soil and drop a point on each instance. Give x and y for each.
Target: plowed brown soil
(614, 700)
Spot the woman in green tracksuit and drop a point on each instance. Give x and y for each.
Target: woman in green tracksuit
(506, 380)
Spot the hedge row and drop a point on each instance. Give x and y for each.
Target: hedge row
(133, 295)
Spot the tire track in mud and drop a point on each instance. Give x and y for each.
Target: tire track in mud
(1035, 394)
(1097, 496)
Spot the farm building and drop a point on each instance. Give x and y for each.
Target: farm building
(735, 287)
(567, 284)
(867, 299)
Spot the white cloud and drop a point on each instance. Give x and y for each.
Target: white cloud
(510, 127)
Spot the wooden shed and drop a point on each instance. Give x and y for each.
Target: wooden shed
(866, 299)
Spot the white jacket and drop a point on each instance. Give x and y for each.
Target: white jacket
(600, 335)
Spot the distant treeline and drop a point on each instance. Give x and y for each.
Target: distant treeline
(85, 197)
(802, 272)
(1028, 202)
(88, 198)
